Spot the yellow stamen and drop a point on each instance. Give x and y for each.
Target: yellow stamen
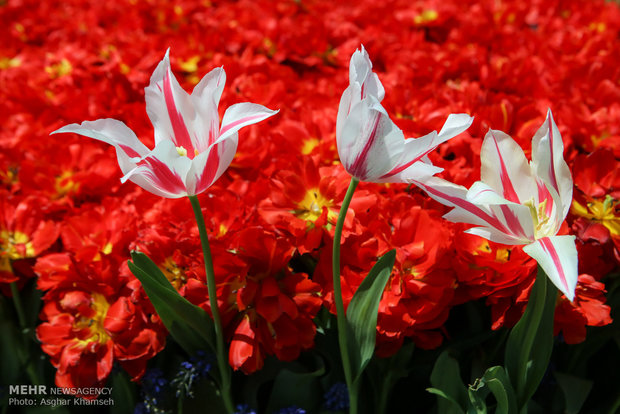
(309, 145)
(173, 273)
(311, 207)
(426, 16)
(14, 246)
(603, 212)
(100, 305)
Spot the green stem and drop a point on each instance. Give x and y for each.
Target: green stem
(537, 302)
(24, 352)
(340, 314)
(530, 342)
(21, 316)
(221, 352)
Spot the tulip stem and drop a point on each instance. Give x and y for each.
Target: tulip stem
(340, 314)
(18, 305)
(221, 352)
(530, 342)
(26, 331)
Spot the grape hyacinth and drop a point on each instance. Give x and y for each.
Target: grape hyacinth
(244, 409)
(154, 387)
(190, 373)
(337, 397)
(291, 410)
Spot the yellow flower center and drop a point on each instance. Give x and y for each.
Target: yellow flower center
(311, 207)
(502, 255)
(309, 145)
(59, 69)
(65, 185)
(183, 152)
(426, 16)
(14, 246)
(543, 225)
(94, 323)
(603, 212)
(173, 273)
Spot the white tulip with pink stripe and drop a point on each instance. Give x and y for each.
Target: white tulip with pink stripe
(371, 147)
(520, 203)
(192, 150)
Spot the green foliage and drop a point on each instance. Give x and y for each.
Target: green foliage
(448, 385)
(530, 342)
(188, 324)
(362, 314)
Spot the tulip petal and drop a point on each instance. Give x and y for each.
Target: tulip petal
(211, 86)
(548, 162)
(454, 125)
(170, 108)
(465, 211)
(113, 132)
(208, 166)
(349, 99)
(240, 115)
(417, 148)
(360, 72)
(517, 218)
(369, 141)
(505, 168)
(510, 220)
(557, 255)
(205, 98)
(418, 171)
(162, 171)
(494, 235)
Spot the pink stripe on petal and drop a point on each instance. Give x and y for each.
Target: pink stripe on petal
(358, 168)
(162, 176)
(181, 136)
(472, 208)
(543, 194)
(548, 246)
(513, 222)
(129, 151)
(239, 121)
(206, 177)
(408, 164)
(554, 181)
(509, 192)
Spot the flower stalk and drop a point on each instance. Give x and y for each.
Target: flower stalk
(221, 354)
(340, 314)
(530, 342)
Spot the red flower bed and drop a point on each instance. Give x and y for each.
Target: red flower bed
(67, 220)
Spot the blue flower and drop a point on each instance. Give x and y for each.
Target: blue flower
(154, 387)
(190, 373)
(244, 409)
(291, 410)
(337, 397)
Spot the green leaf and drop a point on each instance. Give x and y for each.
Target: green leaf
(575, 391)
(497, 381)
(543, 344)
(384, 373)
(530, 342)
(123, 393)
(188, 324)
(452, 407)
(446, 378)
(206, 394)
(362, 313)
(296, 385)
(477, 394)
